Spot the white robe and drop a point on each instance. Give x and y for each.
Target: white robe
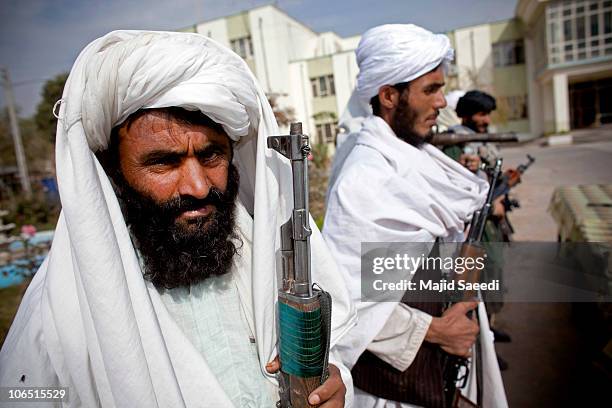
(385, 190)
(89, 321)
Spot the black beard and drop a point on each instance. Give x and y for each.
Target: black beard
(182, 254)
(403, 123)
(469, 123)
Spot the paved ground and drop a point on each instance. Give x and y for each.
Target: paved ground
(554, 356)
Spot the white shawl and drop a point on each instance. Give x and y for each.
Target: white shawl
(88, 320)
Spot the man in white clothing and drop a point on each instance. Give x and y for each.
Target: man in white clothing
(391, 186)
(159, 289)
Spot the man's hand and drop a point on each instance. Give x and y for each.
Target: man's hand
(499, 210)
(454, 331)
(329, 395)
(471, 161)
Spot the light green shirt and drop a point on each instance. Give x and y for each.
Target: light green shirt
(211, 317)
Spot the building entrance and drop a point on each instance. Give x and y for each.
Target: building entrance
(590, 103)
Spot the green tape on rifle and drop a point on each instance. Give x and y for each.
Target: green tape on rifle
(302, 351)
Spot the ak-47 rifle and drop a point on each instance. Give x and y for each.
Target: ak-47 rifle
(471, 248)
(449, 139)
(304, 310)
(511, 178)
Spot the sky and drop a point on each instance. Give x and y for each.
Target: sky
(40, 39)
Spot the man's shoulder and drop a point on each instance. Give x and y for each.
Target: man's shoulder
(365, 157)
(364, 164)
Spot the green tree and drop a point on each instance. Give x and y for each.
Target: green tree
(51, 93)
(38, 148)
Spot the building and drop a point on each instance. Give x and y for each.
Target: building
(549, 67)
(568, 49)
(295, 65)
(491, 57)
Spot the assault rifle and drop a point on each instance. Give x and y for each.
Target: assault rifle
(471, 248)
(304, 310)
(449, 139)
(511, 178)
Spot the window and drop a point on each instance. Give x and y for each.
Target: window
(594, 25)
(326, 132)
(567, 30)
(578, 30)
(243, 47)
(323, 86)
(508, 53)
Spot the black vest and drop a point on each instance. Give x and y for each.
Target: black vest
(422, 383)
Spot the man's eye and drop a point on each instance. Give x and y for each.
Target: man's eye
(211, 156)
(163, 162)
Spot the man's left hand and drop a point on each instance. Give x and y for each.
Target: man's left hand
(471, 161)
(329, 395)
(499, 210)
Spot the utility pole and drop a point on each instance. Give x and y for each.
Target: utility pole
(19, 153)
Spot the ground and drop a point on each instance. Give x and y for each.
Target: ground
(9, 301)
(555, 356)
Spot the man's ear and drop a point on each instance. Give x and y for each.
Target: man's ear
(388, 97)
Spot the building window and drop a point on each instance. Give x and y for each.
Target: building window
(323, 86)
(578, 30)
(243, 47)
(326, 132)
(508, 53)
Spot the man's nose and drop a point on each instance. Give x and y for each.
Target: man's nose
(194, 181)
(440, 102)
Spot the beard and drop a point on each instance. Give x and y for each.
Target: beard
(181, 254)
(475, 127)
(403, 123)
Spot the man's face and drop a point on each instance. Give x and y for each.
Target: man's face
(165, 159)
(478, 122)
(420, 103)
(177, 188)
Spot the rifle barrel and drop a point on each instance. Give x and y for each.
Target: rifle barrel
(449, 139)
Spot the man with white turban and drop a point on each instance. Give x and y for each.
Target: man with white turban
(388, 185)
(160, 286)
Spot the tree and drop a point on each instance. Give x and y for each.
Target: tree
(284, 116)
(38, 149)
(51, 93)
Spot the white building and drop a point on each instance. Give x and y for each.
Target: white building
(310, 73)
(550, 67)
(490, 57)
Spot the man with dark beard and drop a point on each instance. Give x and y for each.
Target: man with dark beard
(389, 185)
(474, 109)
(174, 177)
(160, 288)
(183, 229)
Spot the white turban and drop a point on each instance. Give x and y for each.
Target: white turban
(394, 53)
(89, 321)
